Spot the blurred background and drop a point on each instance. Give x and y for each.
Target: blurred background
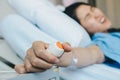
(109, 7)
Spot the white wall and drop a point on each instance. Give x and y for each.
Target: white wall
(60, 1)
(111, 9)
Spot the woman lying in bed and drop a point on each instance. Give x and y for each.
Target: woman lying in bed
(103, 44)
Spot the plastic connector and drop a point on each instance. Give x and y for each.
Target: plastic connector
(74, 62)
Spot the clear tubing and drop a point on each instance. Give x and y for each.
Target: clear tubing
(74, 62)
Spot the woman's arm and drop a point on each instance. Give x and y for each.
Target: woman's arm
(38, 59)
(85, 56)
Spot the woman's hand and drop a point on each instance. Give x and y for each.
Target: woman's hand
(38, 59)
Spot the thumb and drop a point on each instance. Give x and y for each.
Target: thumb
(67, 47)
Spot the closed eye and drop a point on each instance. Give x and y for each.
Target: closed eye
(87, 16)
(92, 9)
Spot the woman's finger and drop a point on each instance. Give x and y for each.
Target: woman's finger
(29, 68)
(39, 48)
(67, 47)
(36, 61)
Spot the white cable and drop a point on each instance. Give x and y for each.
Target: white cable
(8, 71)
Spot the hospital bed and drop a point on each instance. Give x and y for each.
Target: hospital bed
(93, 72)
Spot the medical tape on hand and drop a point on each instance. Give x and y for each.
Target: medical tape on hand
(74, 62)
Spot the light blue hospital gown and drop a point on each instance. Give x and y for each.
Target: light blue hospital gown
(109, 43)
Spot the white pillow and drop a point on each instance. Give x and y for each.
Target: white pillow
(52, 21)
(0, 32)
(20, 34)
(0, 35)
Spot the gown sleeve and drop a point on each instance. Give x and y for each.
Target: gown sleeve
(109, 44)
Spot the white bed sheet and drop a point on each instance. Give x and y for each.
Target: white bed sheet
(94, 72)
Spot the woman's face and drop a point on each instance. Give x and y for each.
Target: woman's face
(92, 19)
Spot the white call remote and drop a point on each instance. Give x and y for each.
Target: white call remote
(56, 49)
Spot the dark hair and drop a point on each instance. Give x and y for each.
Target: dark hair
(71, 10)
(114, 30)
